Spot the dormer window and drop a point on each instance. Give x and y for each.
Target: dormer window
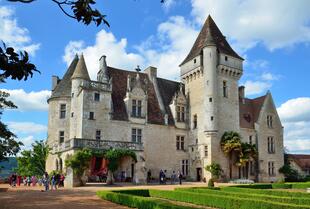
(180, 113)
(136, 108)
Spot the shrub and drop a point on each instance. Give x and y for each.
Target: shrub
(267, 192)
(255, 186)
(215, 170)
(248, 195)
(281, 186)
(301, 185)
(220, 201)
(140, 202)
(211, 183)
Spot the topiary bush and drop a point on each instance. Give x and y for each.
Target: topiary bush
(211, 183)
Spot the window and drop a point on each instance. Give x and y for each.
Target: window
(212, 118)
(180, 143)
(271, 147)
(271, 169)
(136, 108)
(250, 140)
(136, 135)
(72, 114)
(252, 168)
(185, 167)
(226, 58)
(63, 111)
(97, 97)
(269, 121)
(195, 60)
(98, 134)
(180, 113)
(91, 116)
(72, 95)
(225, 89)
(206, 151)
(195, 122)
(61, 136)
(210, 99)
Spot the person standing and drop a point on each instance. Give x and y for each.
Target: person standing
(173, 177)
(53, 182)
(19, 180)
(13, 180)
(46, 181)
(180, 176)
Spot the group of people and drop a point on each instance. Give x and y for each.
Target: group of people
(55, 181)
(174, 176)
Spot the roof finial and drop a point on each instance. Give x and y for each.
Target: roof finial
(138, 69)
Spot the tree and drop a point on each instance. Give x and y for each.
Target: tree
(79, 162)
(231, 146)
(248, 153)
(32, 162)
(215, 170)
(114, 157)
(8, 145)
(18, 66)
(290, 174)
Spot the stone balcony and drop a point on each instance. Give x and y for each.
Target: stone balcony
(77, 143)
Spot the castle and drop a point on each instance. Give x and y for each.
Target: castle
(173, 126)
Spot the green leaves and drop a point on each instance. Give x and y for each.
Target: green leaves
(32, 162)
(79, 161)
(215, 169)
(15, 66)
(115, 155)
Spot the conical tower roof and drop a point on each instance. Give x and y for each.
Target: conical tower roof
(81, 70)
(63, 88)
(210, 34)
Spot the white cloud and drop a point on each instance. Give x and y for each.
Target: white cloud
(26, 127)
(269, 76)
(165, 50)
(27, 141)
(25, 101)
(295, 115)
(275, 24)
(13, 34)
(256, 87)
(168, 4)
(106, 44)
(295, 110)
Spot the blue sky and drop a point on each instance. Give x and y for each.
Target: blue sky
(273, 37)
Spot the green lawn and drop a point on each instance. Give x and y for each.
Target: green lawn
(243, 197)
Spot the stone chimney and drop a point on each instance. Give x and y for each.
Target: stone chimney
(151, 72)
(55, 81)
(102, 75)
(241, 92)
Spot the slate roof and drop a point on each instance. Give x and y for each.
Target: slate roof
(249, 110)
(210, 28)
(63, 88)
(303, 161)
(81, 70)
(119, 87)
(167, 90)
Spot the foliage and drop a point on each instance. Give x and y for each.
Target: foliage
(115, 155)
(281, 186)
(289, 173)
(248, 152)
(32, 162)
(215, 169)
(211, 183)
(249, 195)
(140, 202)
(15, 66)
(79, 161)
(231, 146)
(8, 145)
(222, 201)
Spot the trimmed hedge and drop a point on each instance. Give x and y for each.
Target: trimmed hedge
(255, 186)
(303, 185)
(140, 202)
(281, 186)
(292, 200)
(267, 192)
(220, 201)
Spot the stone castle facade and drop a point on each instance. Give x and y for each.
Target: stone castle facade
(173, 126)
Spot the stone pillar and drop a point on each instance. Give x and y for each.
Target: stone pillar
(140, 170)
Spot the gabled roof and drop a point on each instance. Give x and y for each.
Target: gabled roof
(210, 31)
(303, 161)
(63, 88)
(249, 110)
(81, 70)
(119, 88)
